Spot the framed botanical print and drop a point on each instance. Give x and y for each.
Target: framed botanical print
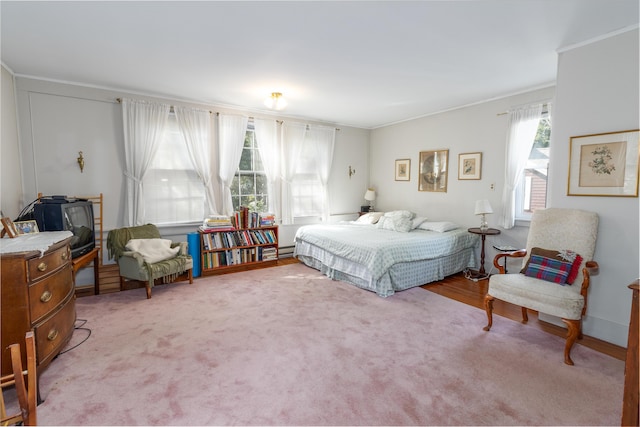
(403, 169)
(469, 165)
(604, 164)
(433, 171)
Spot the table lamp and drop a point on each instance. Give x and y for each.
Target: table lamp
(370, 196)
(483, 208)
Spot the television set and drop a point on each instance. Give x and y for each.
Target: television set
(58, 213)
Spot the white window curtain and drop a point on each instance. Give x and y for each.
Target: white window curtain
(522, 126)
(231, 134)
(267, 139)
(195, 126)
(322, 139)
(292, 141)
(144, 124)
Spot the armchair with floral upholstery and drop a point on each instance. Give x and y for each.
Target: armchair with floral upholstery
(143, 255)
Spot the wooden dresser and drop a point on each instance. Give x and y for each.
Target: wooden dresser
(37, 294)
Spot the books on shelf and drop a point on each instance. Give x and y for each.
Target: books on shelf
(222, 239)
(267, 219)
(216, 223)
(242, 218)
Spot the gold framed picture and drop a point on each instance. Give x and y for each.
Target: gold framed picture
(432, 175)
(469, 165)
(403, 170)
(604, 164)
(26, 227)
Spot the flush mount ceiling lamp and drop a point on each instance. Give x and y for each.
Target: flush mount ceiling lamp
(276, 101)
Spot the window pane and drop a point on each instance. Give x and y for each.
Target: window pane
(249, 182)
(173, 192)
(531, 193)
(261, 184)
(245, 160)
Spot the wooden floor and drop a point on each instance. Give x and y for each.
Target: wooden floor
(456, 287)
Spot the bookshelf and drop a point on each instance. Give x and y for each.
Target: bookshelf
(235, 250)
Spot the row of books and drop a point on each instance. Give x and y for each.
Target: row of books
(231, 239)
(238, 256)
(242, 218)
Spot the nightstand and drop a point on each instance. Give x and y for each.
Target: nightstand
(482, 274)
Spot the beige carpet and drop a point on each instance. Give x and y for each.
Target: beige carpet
(287, 346)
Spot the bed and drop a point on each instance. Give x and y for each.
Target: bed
(383, 259)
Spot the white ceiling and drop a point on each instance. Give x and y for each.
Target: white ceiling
(360, 63)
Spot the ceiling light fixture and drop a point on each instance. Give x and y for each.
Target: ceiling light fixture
(275, 101)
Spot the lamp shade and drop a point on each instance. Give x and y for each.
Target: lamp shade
(370, 195)
(483, 207)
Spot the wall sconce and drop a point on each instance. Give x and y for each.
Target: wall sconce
(351, 171)
(80, 160)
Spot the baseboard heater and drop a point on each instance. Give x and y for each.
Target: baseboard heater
(285, 251)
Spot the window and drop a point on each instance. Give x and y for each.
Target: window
(306, 187)
(249, 186)
(173, 192)
(531, 193)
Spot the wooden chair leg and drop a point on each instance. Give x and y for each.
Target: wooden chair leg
(191, 276)
(488, 306)
(121, 283)
(573, 331)
(525, 316)
(147, 286)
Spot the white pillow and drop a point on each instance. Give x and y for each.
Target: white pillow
(417, 221)
(153, 250)
(369, 218)
(394, 214)
(395, 223)
(440, 226)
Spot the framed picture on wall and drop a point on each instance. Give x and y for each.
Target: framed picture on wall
(469, 165)
(604, 164)
(432, 175)
(403, 169)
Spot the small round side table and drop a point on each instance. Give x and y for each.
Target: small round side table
(482, 274)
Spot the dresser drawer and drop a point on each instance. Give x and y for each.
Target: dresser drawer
(48, 293)
(55, 332)
(40, 267)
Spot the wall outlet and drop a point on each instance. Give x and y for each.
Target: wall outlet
(492, 186)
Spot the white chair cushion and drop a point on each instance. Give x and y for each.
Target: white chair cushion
(153, 250)
(539, 295)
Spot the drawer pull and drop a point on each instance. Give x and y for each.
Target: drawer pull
(65, 255)
(53, 334)
(42, 266)
(46, 296)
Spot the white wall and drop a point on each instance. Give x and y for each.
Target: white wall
(10, 170)
(58, 120)
(478, 128)
(597, 91)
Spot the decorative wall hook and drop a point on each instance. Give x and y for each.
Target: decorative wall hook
(351, 171)
(80, 161)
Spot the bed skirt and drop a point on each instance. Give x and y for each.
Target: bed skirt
(399, 277)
